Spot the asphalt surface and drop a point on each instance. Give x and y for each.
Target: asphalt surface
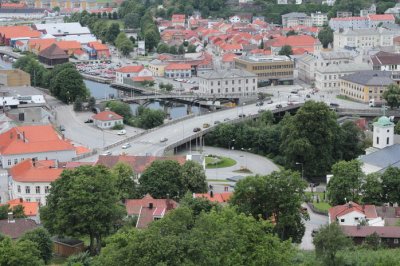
(315, 222)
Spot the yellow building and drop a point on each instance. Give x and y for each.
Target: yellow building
(157, 67)
(14, 78)
(83, 5)
(364, 86)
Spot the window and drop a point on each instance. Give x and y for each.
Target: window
(387, 140)
(38, 200)
(395, 241)
(19, 189)
(46, 189)
(377, 140)
(37, 189)
(27, 189)
(342, 220)
(28, 199)
(9, 162)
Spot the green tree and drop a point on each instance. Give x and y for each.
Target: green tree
(181, 49)
(314, 126)
(4, 212)
(351, 141)
(126, 47)
(261, 46)
(42, 239)
(193, 177)
(291, 33)
(80, 259)
(124, 182)
(391, 185)
(278, 197)
(328, 242)
(286, 50)
(91, 103)
(325, 36)
(68, 86)
(162, 179)
(397, 128)
(120, 39)
(22, 252)
(132, 21)
(345, 185)
(198, 205)
(372, 190)
(30, 65)
(78, 105)
(114, 15)
(83, 202)
(173, 50)
(112, 32)
(191, 48)
(123, 109)
(373, 241)
(162, 48)
(152, 38)
(151, 118)
(392, 95)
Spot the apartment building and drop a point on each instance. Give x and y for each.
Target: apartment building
(385, 61)
(364, 86)
(234, 81)
(363, 38)
(361, 22)
(294, 19)
(319, 19)
(275, 70)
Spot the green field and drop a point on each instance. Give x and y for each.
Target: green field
(219, 162)
(321, 205)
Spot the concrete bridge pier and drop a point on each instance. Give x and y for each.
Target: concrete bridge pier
(167, 110)
(189, 109)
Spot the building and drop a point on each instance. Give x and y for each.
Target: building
(233, 81)
(31, 209)
(319, 19)
(385, 61)
(66, 247)
(14, 78)
(363, 38)
(107, 119)
(15, 228)
(366, 85)
(30, 179)
(395, 11)
(131, 72)
(388, 235)
(376, 20)
(39, 142)
(352, 214)
(100, 51)
(26, 13)
(275, 70)
(328, 77)
(214, 197)
(178, 70)
(10, 34)
(53, 55)
(69, 47)
(148, 209)
(361, 22)
(61, 29)
(304, 42)
(178, 20)
(294, 19)
(343, 14)
(157, 67)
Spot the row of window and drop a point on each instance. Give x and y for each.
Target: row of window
(16, 160)
(177, 75)
(275, 74)
(37, 189)
(272, 67)
(226, 82)
(232, 90)
(29, 199)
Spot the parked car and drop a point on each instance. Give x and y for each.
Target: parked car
(260, 104)
(163, 140)
(227, 119)
(126, 146)
(242, 115)
(294, 92)
(206, 125)
(269, 101)
(278, 106)
(314, 232)
(196, 129)
(334, 104)
(89, 121)
(107, 153)
(216, 122)
(122, 132)
(308, 96)
(62, 128)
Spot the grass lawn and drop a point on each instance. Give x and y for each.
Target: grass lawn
(346, 98)
(323, 206)
(221, 162)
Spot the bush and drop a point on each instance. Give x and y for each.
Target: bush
(118, 127)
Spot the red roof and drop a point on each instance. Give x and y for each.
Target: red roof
(130, 69)
(30, 208)
(381, 17)
(144, 78)
(107, 116)
(230, 47)
(98, 46)
(178, 66)
(13, 5)
(40, 44)
(17, 228)
(228, 57)
(216, 197)
(148, 208)
(299, 51)
(260, 51)
(40, 171)
(364, 231)
(368, 210)
(10, 32)
(32, 139)
(69, 45)
(349, 18)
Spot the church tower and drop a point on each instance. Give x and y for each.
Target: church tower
(383, 133)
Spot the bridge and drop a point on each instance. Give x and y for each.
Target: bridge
(370, 112)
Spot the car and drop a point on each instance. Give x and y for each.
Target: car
(227, 119)
(62, 128)
(314, 232)
(89, 121)
(290, 103)
(334, 104)
(216, 122)
(260, 104)
(126, 146)
(294, 92)
(107, 153)
(196, 129)
(122, 132)
(195, 88)
(278, 106)
(163, 140)
(206, 125)
(308, 96)
(242, 115)
(269, 101)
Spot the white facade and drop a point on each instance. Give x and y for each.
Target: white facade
(363, 38)
(232, 81)
(33, 191)
(319, 19)
(348, 22)
(296, 19)
(383, 133)
(107, 124)
(234, 19)
(178, 73)
(9, 160)
(351, 218)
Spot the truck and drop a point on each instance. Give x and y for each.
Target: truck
(374, 103)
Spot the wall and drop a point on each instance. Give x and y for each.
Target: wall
(349, 218)
(32, 196)
(62, 156)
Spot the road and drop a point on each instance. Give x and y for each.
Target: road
(315, 222)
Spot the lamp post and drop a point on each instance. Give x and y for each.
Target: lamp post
(245, 157)
(302, 169)
(229, 146)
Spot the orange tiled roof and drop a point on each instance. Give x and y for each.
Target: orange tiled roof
(381, 17)
(217, 197)
(40, 44)
(32, 139)
(228, 57)
(295, 41)
(230, 47)
(69, 45)
(98, 46)
(81, 150)
(10, 32)
(144, 78)
(30, 208)
(39, 171)
(178, 66)
(368, 210)
(13, 5)
(107, 116)
(130, 69)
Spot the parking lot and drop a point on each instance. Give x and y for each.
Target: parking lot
(103, 69)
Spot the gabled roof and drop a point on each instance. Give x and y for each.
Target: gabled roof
(69, 45)
(53, 52)
(364, 231)
(40, 44)
(368, 210)
(32, 139)
(39, 171)
(11, 32)
(228, 57)
(383, 158)
(216, 197)
(107, 116)
(379, 17)
(370, 78)
(178, 66)
(130, 69)
(17, 228)
(385, 58)
(98, 46)
(295, 41)
(30, 208)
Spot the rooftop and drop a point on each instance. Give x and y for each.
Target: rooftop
(337, 211)
(383, 158)
(39, 171)
(385, 58)
(30, 208)
(364, 231)
(16, 228)
(370, 78)
(265, 58)
(62, 28)
(130, 69)
(225, 74)
(107, 116)
(214, 197)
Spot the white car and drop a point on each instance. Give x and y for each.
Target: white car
(163, 140)
(107, 153)
(126, 146)
(122, 132)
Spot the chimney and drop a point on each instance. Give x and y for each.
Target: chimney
(23, 136)
(150, 205)
(350, 205)
(211, 194)
(11, 218)
(21, 200)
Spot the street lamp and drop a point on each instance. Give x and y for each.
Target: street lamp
(245, 157)
(302, 169)
(229, 146)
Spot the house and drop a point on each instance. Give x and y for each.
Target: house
(228, 61)
(37, 45)
(395, 11)
(61, 29)
(214, 197)
(53, 55)
(295, 19)
(129, 72)
(31, 209)
(148, 209)
(178, 70)
(14, 78)
(157, 67)
(31, 179)
(352, 213)
(231, 81)
(39, 142)
(101, 50)
(15, 33)
(235, 48)
(66, 247)
(107, 119)
(308, 43)
(363, 38)
(348, 23)
(389, 235)
(178, 20)
(15, 228)
(69, 46)
(376, 20)
(385, 61)
(319, 19)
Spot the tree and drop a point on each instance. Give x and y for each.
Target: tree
(392, 95)
(286, 50)
(83, 202)
(151, 38)
(114, 15)
(126, 47)
(124, 182)
(198, 205)
(68, 86)
(328, 241)
(132, 21)
(162, 48)
(325, 36)
(181, 49)
(120, 39)
(80, 259)
(372, 190)
(112, 32)
(278, 197)
(30, 65)
(397, 128)
(193, 177)
(91, 103)
(261, 46)
(291, 33)
(191, 48)
(351, 141)
(314, 126)
(42, 239)
(162, 179)
(123, 109)
(345, 185)
(173, 50)
(78, 105)
(22, 252)
(391, 185)
(151, 118)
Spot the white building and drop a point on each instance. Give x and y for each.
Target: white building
(362, 22)
(319, 19)
(383, 133)
(353, 214)
(30, 180)
(40, 142)
(131, 72)
(232, 81)
(62, 29)
(296, 19)
(107, 119)
(178, 70)
(363, 38)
